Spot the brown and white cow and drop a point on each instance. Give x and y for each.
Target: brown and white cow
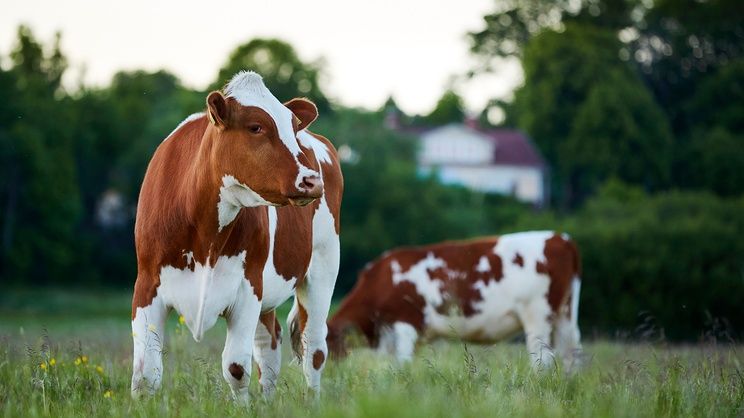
(481, 290)
(239, 210)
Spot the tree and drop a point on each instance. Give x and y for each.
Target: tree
(40, 197)
(449, 108)
(282, 70)
(514, 23)
(618, 131)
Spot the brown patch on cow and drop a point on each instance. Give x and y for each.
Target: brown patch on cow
(518, 260)
(318, 359)
(562, 265)
(268, 319)
(302, 314)
(236, 370)
(293, 242)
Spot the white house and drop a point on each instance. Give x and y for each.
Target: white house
(499, 161)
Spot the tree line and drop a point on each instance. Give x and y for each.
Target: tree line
(636, 108)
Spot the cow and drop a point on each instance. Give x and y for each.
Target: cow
(480, 290)
(238, 211)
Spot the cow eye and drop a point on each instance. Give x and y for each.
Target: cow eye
(255, 129)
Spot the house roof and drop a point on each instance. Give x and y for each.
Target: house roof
(513, 147)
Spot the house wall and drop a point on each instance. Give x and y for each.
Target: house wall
(453, 144)
(524, 183)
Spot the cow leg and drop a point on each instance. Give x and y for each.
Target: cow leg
(313, 300)
(566, 336)
(405, 341)
(535, 316)
(241, 329)
(148, 334)
(268, 349)
(566, 340)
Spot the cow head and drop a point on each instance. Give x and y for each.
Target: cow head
(254, 147)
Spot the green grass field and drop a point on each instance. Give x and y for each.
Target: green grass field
(67, 355)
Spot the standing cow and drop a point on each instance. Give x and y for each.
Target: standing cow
(481, 290)
(239, 210)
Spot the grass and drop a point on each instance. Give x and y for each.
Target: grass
(446, 379)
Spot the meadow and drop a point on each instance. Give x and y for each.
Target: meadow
(68, 354)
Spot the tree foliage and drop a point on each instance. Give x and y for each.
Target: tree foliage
(281, 68)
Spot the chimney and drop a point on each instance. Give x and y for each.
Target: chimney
(471, 122)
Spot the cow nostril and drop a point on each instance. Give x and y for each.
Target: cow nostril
(309, 182)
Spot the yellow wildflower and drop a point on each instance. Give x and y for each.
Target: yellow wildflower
(84, 359)
(77, 361)
(52, 362)
(108, 393)
(43, 366)
(99, 369)
(181, 319)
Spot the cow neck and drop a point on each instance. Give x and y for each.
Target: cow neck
(203, 192)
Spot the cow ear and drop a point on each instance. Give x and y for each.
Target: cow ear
(304, 109)
(217, 109)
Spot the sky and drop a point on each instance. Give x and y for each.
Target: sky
(410, 49)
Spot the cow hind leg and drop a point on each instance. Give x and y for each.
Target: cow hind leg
(535, 317)
(242, 320)
(268, 352)
(566, 334)
(148, 334)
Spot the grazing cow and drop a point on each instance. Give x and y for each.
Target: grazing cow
(481, 290)
(239, 210)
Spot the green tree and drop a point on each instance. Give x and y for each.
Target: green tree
(40, 198)
(281, 68)
(583, 105)
(449, 108)
(619, 132)
(513, 23)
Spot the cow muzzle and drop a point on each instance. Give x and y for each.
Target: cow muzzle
(310, 188)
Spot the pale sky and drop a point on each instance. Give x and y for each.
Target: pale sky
(407, 48)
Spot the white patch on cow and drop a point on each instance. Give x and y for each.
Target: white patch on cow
(148, 333)
(276, 288)
(398, 340)
(483, 265)
(192, 117)
(418, 274)
(203, 294)
(189, 257)
(503, 303)
(235, 195)
(247, 87)
(319, 148)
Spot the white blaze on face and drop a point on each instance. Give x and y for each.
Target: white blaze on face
(247, 87)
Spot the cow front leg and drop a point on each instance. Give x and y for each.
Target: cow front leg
(268, 351)
(313, 300)
(148, 334)
(241, 329)
(535, 316)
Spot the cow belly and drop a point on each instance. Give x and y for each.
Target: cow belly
(479, 328)
(201, 295)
